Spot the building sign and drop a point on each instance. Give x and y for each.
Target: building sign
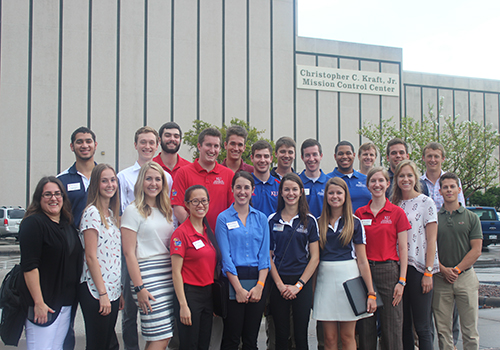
(343, 80)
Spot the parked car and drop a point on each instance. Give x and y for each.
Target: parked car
(10, 218)
(490, 224)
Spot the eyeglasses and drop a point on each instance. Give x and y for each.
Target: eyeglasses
(48, 195)
(197, 202)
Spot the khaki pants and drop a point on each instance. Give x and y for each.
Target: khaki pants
(464, 292)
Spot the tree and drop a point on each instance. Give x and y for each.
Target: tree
(490, 197)
(469, 145)
(191, 138)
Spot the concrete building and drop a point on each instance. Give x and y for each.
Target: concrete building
(116, 65)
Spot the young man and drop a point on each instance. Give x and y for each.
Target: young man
(285, 154)
(356, 182)
(235, 145)
(367, 155)
(459, 244)
(170, 141)
(396, 151)
(146, 143)
(207, 172)
(312, 177)
(265, 195)
(433, 157)
(76, 179)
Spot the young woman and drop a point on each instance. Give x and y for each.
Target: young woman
(294, 258)
(243, 236)
(386, 228)
(343, 257)
(422, 256)
(146, 230)
(100, 289)
(51, 260)
(194, 256)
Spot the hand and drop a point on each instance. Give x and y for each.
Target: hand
(371, 305)
(426, 284)
(242, 296)
(450, 274)
(41, 311)
(143, 298)
(255, 293)
(398, 294)
(290, 292)
(104, 305)
(121, 304)
(185, 315)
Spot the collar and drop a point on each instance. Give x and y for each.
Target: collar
(336, 225)
(259, 181)
(354, 173)
(460, 209)
(287, 223)
(425, 178)
(72, 169)
(388, 206)
(321, 179)
(234, 213)
(136, 166)
(200, 169)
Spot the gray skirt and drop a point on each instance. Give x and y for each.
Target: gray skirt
(330, 299)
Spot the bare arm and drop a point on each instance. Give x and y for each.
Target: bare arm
(32, 279)
(431, 237)
(275, 275)
(180, 213)
(91, 238)
(308, 271)
(364, 269)
(255, 294)
(471, 257)
(403, 266)
(241, 293)
(185, 312)
(129, 243)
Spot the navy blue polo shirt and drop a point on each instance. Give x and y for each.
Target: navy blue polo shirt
(334, 250)
(294, 259)
(265, 195)
(315, 192)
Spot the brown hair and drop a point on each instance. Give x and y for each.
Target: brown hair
(396, 194)
(94, 195)
(35, 207)
(303, 206)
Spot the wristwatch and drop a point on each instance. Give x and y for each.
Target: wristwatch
(138, 288)
(429, 269)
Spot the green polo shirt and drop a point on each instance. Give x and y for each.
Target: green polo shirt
(455, 231)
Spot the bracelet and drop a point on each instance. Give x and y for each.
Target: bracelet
(299, 285)
(372, 293)
(403, 283)
(103, 294)
(372, 297)
(427, 274)
(402, 279)
(261, 283)
(458, 270)
(303, 283)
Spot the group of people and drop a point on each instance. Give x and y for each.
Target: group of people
(153, 237)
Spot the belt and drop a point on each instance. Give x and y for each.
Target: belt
(373, 263)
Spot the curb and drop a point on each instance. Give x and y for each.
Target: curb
(489, 301)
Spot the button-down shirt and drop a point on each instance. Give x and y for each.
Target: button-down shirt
(243, 245)
(434, 191)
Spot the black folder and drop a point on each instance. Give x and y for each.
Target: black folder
(357, 293)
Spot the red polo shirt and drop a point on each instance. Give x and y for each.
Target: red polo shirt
(382, 230)
(217, 181)
(180, 163)
(198, 253)
(243, 166)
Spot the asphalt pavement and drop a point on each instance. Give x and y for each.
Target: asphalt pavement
(487, 269)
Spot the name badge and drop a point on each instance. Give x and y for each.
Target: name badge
(366, 222)
(74, 187)
(306, 191)
(232, 225)
(198, 244)
(278, 227)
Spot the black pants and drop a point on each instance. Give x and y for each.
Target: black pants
(200, 302)
(243, 322)
(99, 330)
(416, 312)
(301, 309)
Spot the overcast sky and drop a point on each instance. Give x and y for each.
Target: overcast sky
(454, 37)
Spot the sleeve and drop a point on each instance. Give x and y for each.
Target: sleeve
(178, 242)
(475, 230)
(123, 191)
(313, 229)
(170, 182)
(263, 254)
(461, 198)
(31, 234)
(221, 233)
(131, 218)
(90, 219)
(430, 212)
(272, 243)
(359, 236)
(179, 187)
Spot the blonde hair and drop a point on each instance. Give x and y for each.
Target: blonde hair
(162, 199)
(94, 195)
(326, 214)
(396, 194)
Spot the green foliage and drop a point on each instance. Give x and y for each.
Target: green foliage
(191, 138)
(469, 145)
(490, 198)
